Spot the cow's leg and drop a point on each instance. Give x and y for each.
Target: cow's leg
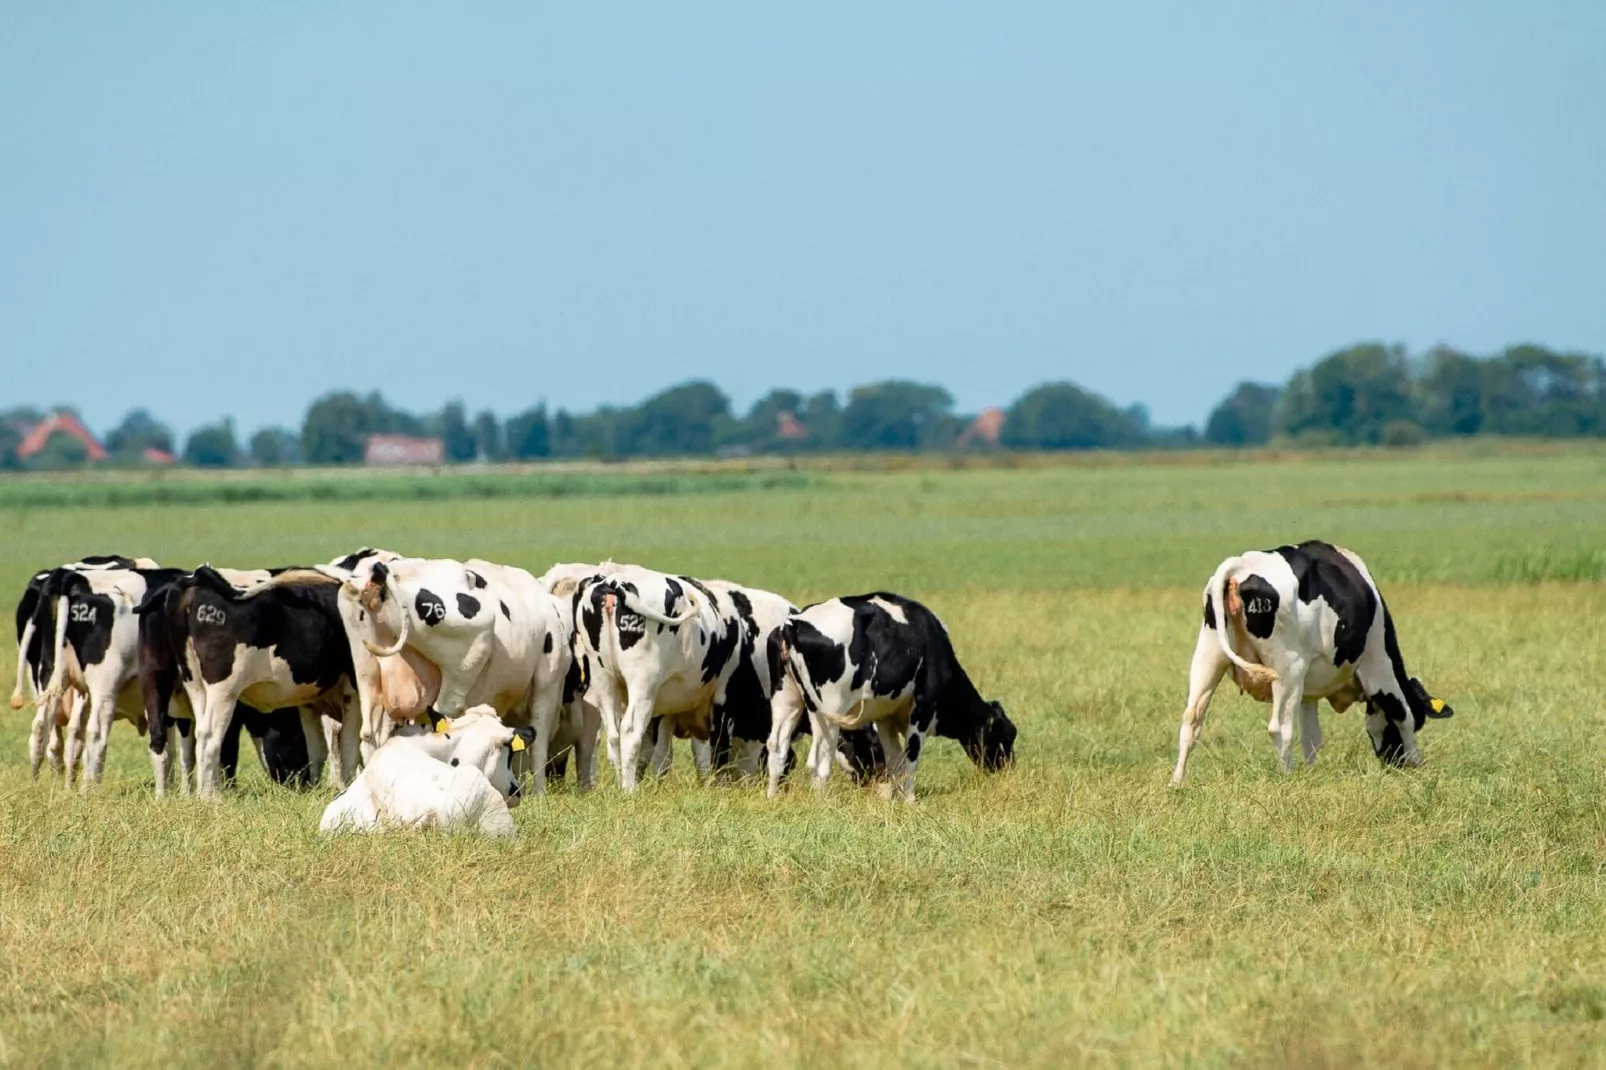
(77, 722)
(786, 709)
(544, 708)
(822, 755)
(98, 731)
(186, 752)
(702, 757)
(633, 733)
(921, 720)
(317, 742)
(892, 745)
(56, 744)
(1310, 730)
(663, 746)
(212, 718)
(1209, 666)
(585, 747)
(1287, 694)
(350, 743)
(749, 752)
(40, 738)
(162, 761)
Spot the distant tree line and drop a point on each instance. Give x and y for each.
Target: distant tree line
(1368, 394)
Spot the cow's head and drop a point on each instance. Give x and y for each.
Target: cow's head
(991, 745)
(1384, 716)
(480, 740)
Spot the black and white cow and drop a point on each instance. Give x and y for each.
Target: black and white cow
(280, 743)
(1296, 625)
(886, 661)
(284, 647)
(483, 633)
(31, 638)
(659, 648)
(92, 649)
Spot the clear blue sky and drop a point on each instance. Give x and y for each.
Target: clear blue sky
(214, 209)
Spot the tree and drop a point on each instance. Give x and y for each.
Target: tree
(1063, 416)
(821, 416)
(457, 441)
(13, 423)
(488, 437)
(1347, 397)
(527, 434)
(897, 414)
(1450, 393)
(139, 431)
(337, 426)
(213, 446)
(272, 446)
(61, 450)
(1244, 417)
(681, 420)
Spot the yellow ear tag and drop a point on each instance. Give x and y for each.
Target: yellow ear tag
(517, 744)
(442, 726)
(1438, 705)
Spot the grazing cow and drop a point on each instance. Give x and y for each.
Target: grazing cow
(280, 742)
(93, 649)
(458, 776)
(285, 646)
(882, 660)
(493, 635)
(1298, 624)
(741, 716)
(648, 663)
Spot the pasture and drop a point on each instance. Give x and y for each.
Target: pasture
(1071, 911)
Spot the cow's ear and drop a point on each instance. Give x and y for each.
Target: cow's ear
(435, 719)
(1440, 709)
(522, 738)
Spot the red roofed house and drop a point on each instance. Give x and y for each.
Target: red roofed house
(402, 449)
(984, 429)
(65, 423)
(788, 426)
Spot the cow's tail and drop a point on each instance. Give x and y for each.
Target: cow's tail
(406, 624)
(290, 577)
(640, 610)
(57, 684)
(22, 663)
(1253, 678)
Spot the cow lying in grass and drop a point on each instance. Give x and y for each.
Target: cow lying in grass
(1296, 625)
(456, 777)
(884, 661)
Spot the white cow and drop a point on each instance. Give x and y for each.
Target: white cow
(493, 633)
(456, 777)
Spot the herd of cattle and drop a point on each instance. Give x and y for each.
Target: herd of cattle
(436, 690)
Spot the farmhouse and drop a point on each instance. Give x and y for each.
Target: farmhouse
(397, 450)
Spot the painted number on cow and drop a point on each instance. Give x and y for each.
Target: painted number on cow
(211, 615)
(81, 613)
(1259, 605)
(430, 608)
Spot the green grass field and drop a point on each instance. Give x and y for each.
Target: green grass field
(1072, 911)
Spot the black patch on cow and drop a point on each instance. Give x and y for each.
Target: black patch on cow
(350, 562)
(912, 748)
(505, 612)
(454, 761)
(720, 649)
(632, 628)
(672, 592)
(884, 652)
(546, 643)
(1260, 606)
(467, 605)
(1325, 573)
(478, 581)
(824, 658)
(429, 607)
(1209, 613)
(574, 679)
(590, 614)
